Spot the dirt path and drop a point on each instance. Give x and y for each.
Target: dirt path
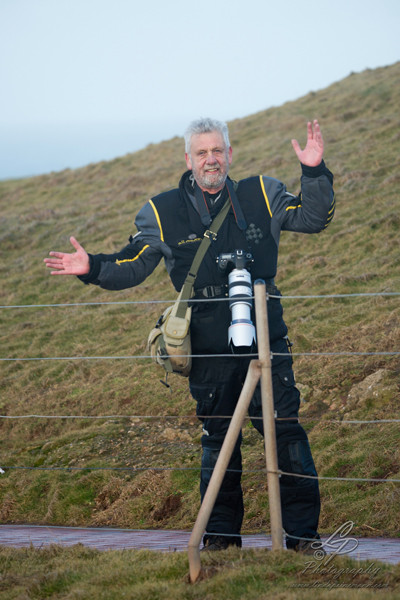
(385, 550)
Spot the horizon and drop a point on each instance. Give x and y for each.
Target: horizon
(136, 75)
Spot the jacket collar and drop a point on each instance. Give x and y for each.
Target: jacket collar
(200, 199)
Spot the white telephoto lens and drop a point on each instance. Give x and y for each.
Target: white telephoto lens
(241, 334)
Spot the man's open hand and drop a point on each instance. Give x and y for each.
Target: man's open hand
(75, 263)
(312, 153)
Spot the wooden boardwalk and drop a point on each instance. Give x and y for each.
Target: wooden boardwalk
(19, 536)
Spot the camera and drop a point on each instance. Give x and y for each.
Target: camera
(241, 332)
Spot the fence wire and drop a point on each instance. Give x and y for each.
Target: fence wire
(195, 300)
(148, 356)
(163, 468)
(191, 417)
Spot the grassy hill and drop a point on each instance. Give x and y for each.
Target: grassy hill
(122, 470)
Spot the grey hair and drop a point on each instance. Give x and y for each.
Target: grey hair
(206, 126)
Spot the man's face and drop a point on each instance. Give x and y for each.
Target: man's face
(209, 159)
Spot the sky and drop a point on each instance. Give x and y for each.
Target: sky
(90, 80)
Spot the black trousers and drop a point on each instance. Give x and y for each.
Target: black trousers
(216, 383)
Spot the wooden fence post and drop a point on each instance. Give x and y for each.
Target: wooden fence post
(268, 412)
(252, 377)
(257, 369)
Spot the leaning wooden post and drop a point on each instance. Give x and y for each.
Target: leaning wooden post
(214, 485)
(267, 400)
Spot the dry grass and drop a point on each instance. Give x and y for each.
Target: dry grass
(358, 253)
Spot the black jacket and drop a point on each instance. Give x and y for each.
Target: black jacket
(169, 226)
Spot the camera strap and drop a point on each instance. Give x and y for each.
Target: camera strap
(237, 209)
(209, 235)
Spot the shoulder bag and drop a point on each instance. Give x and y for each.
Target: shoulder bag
(169, 341)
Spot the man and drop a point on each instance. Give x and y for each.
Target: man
(171, 226)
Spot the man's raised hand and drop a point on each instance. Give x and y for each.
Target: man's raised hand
(313, 152)
(74, 263)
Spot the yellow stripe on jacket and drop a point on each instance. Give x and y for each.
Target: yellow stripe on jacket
(119, 262)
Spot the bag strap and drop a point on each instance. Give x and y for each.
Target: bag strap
(209, 235)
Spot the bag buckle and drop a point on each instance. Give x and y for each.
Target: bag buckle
(210, 235)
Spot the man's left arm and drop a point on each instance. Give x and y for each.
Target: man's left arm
(313, 209)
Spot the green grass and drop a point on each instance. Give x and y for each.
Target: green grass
(83, 573)
(358, 253)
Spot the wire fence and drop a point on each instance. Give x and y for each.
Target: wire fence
(155, 468)
(196, 300)
(148, 356)
(224, 299)
(191, 417)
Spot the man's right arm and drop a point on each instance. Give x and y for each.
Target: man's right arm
(120, 270)
(124, 269)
